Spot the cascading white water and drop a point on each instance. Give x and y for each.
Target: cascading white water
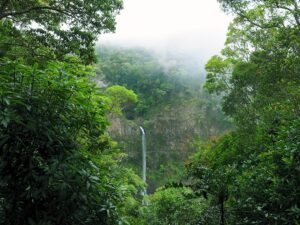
(144, 149)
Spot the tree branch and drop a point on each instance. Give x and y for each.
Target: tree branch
(36, 8)
(262, 26)
(293, 12)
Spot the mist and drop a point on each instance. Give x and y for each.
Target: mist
(192, 30)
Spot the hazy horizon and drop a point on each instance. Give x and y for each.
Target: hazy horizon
(191, 28)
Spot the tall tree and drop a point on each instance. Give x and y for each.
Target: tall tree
(57, 164)
(258, 76)
(53, 28)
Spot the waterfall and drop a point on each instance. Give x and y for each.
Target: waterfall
(144, 157)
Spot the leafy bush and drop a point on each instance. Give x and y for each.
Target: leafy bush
(173, 206)
(57, 166)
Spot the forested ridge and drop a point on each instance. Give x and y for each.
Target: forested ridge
(222, 151)
(164, 86)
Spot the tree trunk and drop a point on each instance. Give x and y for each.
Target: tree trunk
(222, 213)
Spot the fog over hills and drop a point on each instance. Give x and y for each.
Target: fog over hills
(192, 30)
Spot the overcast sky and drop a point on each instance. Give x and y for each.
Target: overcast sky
(195, 27)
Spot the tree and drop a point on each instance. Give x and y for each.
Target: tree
(211, 175)
(173, 206)
(260, 61)
(141, 72)
(275, 13)
(257, 76)
(57, 165)
(120, 98)
(50, 29)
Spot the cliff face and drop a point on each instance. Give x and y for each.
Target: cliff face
(172, 131)
(174, 110)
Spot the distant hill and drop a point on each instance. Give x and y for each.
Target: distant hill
(173, 108)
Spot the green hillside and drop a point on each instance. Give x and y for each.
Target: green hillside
(172, 106)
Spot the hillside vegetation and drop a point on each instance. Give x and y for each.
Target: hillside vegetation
(221, 151)
(172, 106)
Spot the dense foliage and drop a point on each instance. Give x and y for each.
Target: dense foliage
(165, 85)
(142, 72)
(173, 206)
(57, 163)
(50, 29)
(252, 174)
